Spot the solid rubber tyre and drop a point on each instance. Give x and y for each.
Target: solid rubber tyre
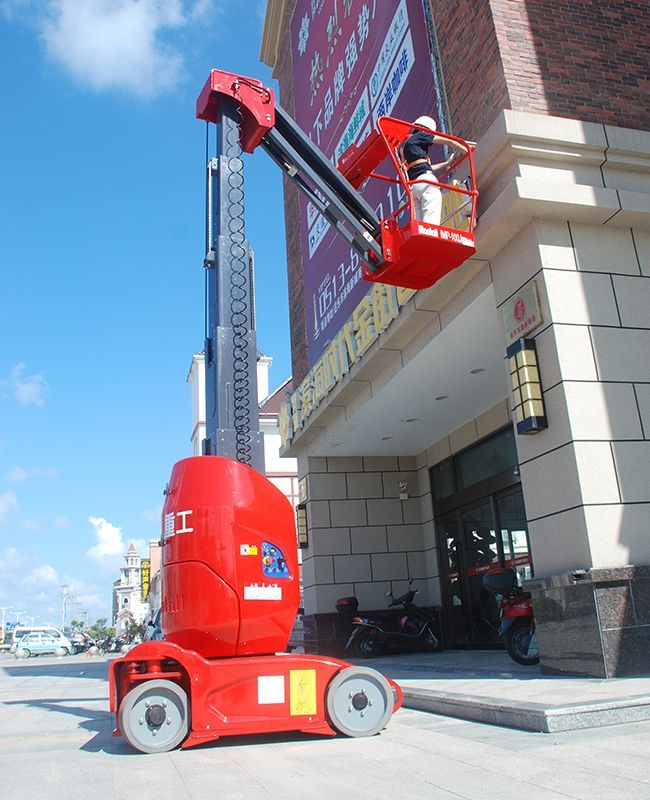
(364, 718)
(517, 640)
(133, 721)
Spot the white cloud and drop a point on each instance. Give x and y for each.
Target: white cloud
(62, 523)
(19, 474)
(109, 540)
(128, 45)
(45, 574)
(28, 390)
(111, 545)
(8, 504)
(34, 588)
(32, 525)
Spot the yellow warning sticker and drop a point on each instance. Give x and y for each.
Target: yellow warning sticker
(302, 691)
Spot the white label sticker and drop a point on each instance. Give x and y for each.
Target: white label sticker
(270, 689)
(168, 531)
(262, 591)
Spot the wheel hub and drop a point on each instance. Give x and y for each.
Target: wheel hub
(155, 716)
(359, 701)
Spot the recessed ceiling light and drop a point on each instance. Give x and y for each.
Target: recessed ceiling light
(476, 371)
(442, 397)
(386, 438)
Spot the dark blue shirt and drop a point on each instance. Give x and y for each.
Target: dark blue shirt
(417, 146)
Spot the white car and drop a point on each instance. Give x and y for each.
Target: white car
(37, 644)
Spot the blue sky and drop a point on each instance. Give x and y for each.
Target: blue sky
(101, 247)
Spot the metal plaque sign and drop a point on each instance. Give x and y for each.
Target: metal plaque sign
(522, 313)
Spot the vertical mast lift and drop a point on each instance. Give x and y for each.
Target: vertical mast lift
(230, 587)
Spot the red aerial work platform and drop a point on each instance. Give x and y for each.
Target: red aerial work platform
(416, 254)
(230, 597)
(229, 557)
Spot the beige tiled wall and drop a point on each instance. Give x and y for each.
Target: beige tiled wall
(363, 539)
(581, 476)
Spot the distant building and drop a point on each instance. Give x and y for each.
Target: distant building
(128, 603)
(281, 472)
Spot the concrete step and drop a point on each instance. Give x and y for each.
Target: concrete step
(529, 716)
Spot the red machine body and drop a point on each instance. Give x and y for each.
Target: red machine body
(229, 560)
(230, 593)
(236, 696)
(256, 104)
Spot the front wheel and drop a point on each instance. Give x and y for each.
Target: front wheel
(359, 701)
(23, 653)
(154, 716)
(367, 645)
(518, 639)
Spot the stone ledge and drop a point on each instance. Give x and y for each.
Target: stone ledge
(537, 717)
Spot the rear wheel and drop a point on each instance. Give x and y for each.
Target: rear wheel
(430, 641)
(359, 701)
(23, 653)
(154, 717)
(518, 639)
(367, 645)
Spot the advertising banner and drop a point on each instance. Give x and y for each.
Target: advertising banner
(145, 577)
(353, 62)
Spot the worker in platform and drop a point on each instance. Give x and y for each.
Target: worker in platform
(427, 197)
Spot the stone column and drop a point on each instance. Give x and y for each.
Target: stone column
(586, 479)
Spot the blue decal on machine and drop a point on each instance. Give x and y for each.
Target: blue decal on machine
(273, 562)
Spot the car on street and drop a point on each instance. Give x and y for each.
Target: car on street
(37, 644)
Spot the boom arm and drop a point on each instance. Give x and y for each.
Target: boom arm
(266, 124)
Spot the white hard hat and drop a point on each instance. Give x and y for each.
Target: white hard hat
(427, 122)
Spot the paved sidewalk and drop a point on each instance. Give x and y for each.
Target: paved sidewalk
(487, 686)
(56, 744)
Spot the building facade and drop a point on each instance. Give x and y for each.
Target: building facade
(130, 592)
(502, 416)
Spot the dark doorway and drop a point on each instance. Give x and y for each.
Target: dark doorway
(481, 524)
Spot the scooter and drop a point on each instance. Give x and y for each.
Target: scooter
(517, 623)
(371, 637)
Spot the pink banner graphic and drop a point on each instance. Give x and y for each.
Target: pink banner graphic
(353, 61)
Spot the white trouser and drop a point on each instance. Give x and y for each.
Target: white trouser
(427, 201)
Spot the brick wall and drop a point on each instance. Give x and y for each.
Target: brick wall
(582, 60)
(475, 84)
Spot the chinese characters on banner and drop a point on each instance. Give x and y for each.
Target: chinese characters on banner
(145, 576)
(353, 61)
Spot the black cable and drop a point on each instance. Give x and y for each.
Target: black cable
(239, 268)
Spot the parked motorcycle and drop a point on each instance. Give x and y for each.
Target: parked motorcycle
(517, 623)
(113, 644)
(373, 637)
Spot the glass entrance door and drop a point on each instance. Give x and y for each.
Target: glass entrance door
(472, 548)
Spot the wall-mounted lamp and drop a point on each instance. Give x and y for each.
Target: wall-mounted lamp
(403, 490)
(530, 414)
(301, 525)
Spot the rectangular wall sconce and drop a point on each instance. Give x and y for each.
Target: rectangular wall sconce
(530, 414)
(301, 525)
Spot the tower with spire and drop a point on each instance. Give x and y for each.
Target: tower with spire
(127, 593)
